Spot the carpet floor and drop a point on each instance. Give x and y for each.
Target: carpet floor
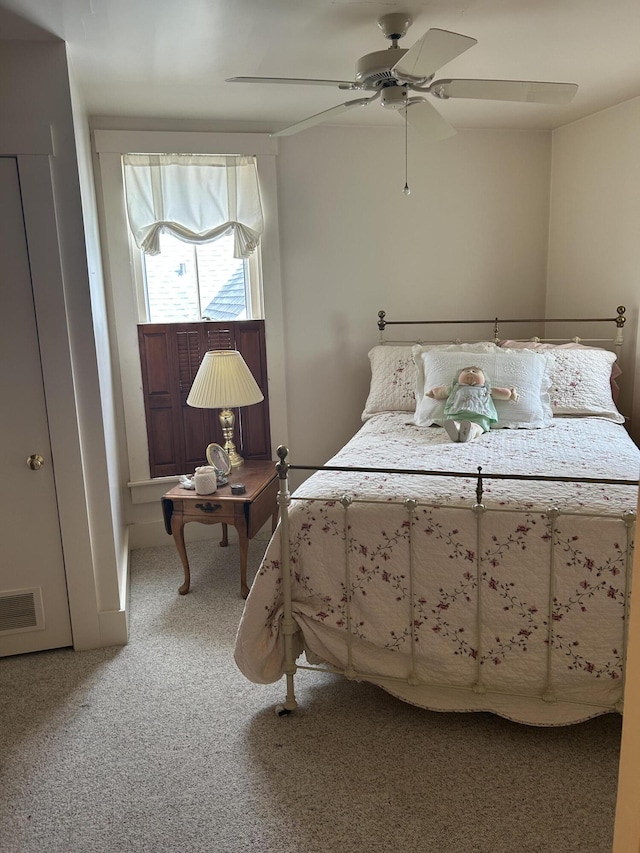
(162, 746)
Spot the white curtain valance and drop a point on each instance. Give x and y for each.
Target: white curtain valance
(197, 198)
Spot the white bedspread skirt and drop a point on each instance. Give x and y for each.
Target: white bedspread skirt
(511, 610)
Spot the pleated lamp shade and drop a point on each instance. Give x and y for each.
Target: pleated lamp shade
(223, 381)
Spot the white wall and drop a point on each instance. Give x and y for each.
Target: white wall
(594, 245)
(470, 241)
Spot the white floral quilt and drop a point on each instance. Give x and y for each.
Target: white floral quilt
(511, 609)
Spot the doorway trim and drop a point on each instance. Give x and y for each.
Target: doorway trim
(31, 144)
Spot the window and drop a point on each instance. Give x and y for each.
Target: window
(125, 282)
(189, 282)
(196, 222)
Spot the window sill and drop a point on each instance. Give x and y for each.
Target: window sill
(149, 491)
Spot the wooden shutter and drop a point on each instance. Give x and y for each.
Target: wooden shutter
(253, 421)
(159, 400)
(178, 435)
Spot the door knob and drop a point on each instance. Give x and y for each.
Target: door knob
(35, 461)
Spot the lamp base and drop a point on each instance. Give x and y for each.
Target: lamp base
(227, 422)
(234, 457)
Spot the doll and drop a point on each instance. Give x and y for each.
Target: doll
(469, 410)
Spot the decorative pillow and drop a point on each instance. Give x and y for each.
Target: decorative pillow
(545, 347)
(581, 383)
(418, 349)
(393, 375)
(526, 370)
(393, 381)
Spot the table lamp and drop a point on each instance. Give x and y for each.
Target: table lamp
(224, 381)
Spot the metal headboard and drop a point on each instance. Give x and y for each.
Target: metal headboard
(616, 340)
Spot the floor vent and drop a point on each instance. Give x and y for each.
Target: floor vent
(21, 610)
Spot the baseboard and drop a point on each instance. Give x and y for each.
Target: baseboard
(114, 624)
(114, 628)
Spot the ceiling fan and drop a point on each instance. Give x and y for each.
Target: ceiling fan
(395, 73)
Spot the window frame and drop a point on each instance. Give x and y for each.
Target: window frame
(123, 295)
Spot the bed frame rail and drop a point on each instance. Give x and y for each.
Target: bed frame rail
(619, 320)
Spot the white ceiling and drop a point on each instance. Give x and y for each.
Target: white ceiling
(170, 58)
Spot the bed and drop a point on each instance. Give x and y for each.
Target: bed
(492, 575)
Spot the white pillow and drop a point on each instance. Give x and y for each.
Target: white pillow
(393, 381)
(525, 370)
(581, 383)
(544, 345)
(393, 375)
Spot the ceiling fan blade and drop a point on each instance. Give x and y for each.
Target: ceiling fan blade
(426, 120)
(505, 90)
(318, 118)
(432, 51)
(298, 81)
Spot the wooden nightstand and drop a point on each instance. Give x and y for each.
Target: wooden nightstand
(247, 512)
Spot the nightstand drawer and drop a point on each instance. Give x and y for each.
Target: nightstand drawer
(208, 509)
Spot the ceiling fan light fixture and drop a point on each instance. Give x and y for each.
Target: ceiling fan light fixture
(394, 97)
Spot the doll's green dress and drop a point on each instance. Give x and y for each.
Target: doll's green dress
(471, 403)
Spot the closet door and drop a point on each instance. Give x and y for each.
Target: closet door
(34, 608)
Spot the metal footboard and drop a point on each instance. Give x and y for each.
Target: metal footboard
(552, 514)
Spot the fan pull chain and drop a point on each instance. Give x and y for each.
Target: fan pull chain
(406, 189)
